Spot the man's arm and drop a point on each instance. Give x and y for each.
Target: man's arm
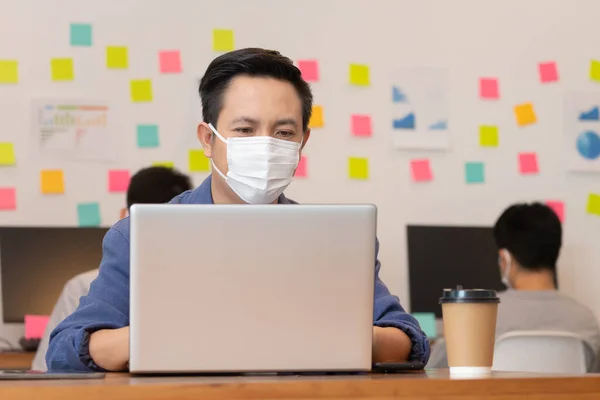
(105, 307)
(392, 344)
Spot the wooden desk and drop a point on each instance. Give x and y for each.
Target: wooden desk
(16, 360)
(434, 384)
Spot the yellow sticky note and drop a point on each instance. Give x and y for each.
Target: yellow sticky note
(593, 206)
(7, 154)
(359, 75)
(116, 57)
(198, 161)
(525, 114)
(595, 70)
(9, 71)
(316, 118)
(62, 69)
(488, 136)
(223, 40)
(141, 90)
(358, 168)
(52, 181)
(167, 164)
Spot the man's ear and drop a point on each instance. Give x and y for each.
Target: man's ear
(305, 138)
(205, 137)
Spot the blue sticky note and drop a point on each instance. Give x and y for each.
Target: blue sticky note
(81, 35)
(427, 322)
(593, 114)
(88, 214)
(147, 136)
(475, 172)
(406, 122)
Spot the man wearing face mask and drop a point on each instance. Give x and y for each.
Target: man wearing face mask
(256, 109)
(529, 238)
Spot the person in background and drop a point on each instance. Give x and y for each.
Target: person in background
(148, 185)
(256, 108)
(529, 238)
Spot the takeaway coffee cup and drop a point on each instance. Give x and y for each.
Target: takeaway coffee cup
(469, 329)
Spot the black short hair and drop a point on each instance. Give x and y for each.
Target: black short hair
(250, 62)
(155, 185)
(532, 233)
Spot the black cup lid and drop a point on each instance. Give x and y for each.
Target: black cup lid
(460, 295)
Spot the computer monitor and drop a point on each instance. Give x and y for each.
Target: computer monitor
(442, 257)
(36, 262)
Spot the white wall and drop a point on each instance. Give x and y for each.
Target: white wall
(471, 39)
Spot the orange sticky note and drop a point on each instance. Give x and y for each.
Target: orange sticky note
(170, 61)
(525, 114)
(35, 325)
(52, 181)
(488, 88)
(302, 170)
(361, 125)
(118, 180)
(198, 162)
(316, 119)
(309, 70)
(558, 207)
(141, 90)
(528, 163)
(8, 198)
(421, 170)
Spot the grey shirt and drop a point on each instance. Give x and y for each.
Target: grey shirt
(522, 310)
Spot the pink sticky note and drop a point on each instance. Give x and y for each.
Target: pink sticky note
(118, 180)
(309, 69)
(488, 88)
(8, 198)
(558, 207)
(170, 61)
(421, 170)
(528, 163)
(361, 125)
(302, 170)
(35, 325)
(548, 72)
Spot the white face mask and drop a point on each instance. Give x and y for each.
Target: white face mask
(506, 274)
(260, 167)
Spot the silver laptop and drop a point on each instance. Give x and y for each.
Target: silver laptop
(251, 288)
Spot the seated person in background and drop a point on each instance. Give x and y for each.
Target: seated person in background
(149, 185)
(529, 237)
(256, 108)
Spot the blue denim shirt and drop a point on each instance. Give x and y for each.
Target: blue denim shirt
(107, 304)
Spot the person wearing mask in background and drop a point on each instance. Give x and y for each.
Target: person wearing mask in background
(148, 185)
(256, 108)
(529, 238)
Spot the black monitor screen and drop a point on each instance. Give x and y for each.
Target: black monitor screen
(441, 257)
(35, 264)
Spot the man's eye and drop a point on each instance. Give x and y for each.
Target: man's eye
(245, 131)
(286, 134)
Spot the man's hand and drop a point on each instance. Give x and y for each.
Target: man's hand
(109, 348)
(390, 345)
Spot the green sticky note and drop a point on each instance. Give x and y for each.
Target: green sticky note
(359, 75)
(147, 136)
(62, 69)
(593, 206)
(488, 136)
(7, 154)
(358, 168)
(88, 214)
(427, 322)
(474, 172)
(198, 161)
(595, 70)
(166, 164)
(141, 90)
(9, 71)
(116, 57)
(81, 35)
(223, 40)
